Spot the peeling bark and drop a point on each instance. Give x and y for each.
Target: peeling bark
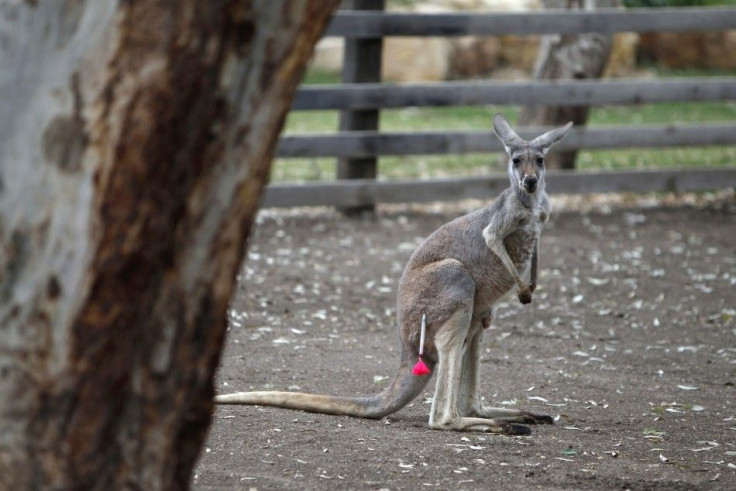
(133, 151)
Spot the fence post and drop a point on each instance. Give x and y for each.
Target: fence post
(361, 64)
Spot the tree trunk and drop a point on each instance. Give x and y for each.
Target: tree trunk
(135, 139)
(581, 56)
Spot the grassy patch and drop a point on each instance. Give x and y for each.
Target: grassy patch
(317, 76)
(479, 118)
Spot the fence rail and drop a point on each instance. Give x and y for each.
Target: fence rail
(372, 143)
(606, 21)
(559, 93)
(360, 192)
(361, 98)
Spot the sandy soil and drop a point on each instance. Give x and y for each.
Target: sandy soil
(630, 343)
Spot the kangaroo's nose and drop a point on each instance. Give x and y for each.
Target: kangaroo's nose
(530, 183)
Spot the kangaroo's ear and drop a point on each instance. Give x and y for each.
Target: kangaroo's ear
(503, 130)
(551, 137)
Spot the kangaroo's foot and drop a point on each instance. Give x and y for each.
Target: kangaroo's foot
(512, 416)
(525, 295)
(480, 424)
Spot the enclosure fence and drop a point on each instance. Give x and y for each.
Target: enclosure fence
(361, 96)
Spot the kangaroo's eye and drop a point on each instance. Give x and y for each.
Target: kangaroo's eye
(540, 160)
(516, 160)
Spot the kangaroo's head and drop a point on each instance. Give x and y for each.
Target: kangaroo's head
(526, 159)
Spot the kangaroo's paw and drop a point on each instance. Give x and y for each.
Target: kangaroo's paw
(525, 295)
(528, 418)
(481, 424)
(542, 419)
(513, 416)
(532, 419)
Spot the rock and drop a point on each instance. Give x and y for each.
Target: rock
(328, 54)
(691, 49)
(472, 57)
(436, 59)
(405, 59)
(622, 60)
(415, 59)
(721, 51)
(519, 52)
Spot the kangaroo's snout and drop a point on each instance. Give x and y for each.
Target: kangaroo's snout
(530, 183)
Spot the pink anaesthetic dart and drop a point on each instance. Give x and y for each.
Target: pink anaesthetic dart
(420, 368)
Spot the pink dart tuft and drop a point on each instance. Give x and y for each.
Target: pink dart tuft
(420, 369)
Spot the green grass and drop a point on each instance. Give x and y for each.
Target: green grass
(316, 76)
(479, 118)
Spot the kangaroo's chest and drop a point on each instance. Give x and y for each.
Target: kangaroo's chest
(494, 279)
(520, 243)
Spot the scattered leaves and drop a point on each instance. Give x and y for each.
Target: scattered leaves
(653, 434)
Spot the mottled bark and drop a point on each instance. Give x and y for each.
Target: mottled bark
(135, 139)
(580, 56)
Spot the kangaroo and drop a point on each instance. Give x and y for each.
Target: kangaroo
(453, 279)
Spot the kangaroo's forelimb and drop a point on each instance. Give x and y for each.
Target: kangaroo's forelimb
(494, 235)
(533, 268)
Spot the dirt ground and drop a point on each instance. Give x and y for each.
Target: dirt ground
(630, 343)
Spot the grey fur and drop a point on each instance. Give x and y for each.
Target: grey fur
(454, 277)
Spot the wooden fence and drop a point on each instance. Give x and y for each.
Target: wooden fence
(364, 145)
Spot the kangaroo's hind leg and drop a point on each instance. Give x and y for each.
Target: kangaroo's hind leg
(470, 403)
(445, 414)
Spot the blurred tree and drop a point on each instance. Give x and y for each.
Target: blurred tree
(579, 56)
(135, 140)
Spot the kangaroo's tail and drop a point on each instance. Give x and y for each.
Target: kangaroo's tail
(403, 389)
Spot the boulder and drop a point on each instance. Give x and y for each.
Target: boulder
(690, 49)
(473, 57)
(622, 60)
(328, 54)
(519, 52)
(437, 59)
(409, 59)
